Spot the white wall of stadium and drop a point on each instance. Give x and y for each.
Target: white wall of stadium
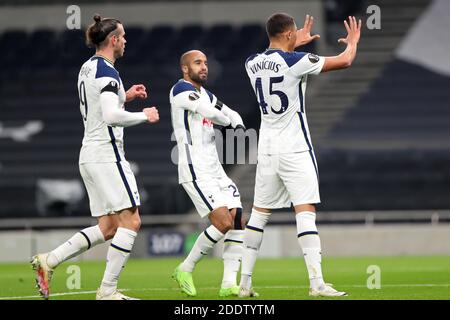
(155, 13)
(279, 241)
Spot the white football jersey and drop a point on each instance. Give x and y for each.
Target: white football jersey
(197, 153)
(279, 81)
(101, 142)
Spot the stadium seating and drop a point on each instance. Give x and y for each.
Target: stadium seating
(38, 82)
(394, 140)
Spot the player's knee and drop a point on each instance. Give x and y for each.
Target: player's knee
(226, 226)
(221, 219)
(223, 225)
(136, 223)
(130, 219)
(108, 227)
(109, 232)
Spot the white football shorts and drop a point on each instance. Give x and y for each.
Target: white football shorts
(111, 187)
(282, 179)
(210, 194)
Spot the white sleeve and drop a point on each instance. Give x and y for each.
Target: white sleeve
(190, 100)
(114, 116)
(213, 114)
(235, 118)
(308, 63)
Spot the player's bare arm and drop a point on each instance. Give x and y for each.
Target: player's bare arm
(345, 59)
(152, 114)
(136, 91)
(304, 34)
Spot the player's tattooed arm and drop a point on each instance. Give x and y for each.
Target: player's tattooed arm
(136, 91)
(304, 34)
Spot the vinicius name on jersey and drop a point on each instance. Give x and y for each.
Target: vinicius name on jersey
(265, 65)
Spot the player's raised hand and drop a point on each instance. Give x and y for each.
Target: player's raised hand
(152, 114)
(304, 34)
(353, 31)
(136, 91)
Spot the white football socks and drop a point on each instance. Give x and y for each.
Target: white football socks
(116, 258)
(253, 236)
(309, 241)
(203, 245)
(80, 242)
(232, 255)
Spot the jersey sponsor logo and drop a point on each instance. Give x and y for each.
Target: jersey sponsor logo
(207, 122)
(313, 58)
(193, 96)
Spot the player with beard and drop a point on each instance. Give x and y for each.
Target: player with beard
(194, 110)
(110, 183)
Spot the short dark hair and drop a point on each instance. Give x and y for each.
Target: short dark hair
(100, 29)
(278, 23)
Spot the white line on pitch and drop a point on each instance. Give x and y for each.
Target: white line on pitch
(214, 288)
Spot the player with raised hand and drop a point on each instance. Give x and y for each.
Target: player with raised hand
(110, 183)
(194, 110)
(304, 34)
(287, 170)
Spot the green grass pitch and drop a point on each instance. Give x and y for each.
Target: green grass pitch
(402, 278)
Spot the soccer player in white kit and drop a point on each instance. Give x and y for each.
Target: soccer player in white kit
(110, 183)
(194, 110)
(287, 170)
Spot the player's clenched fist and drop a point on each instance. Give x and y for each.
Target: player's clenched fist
(136, 91)
(152, 114)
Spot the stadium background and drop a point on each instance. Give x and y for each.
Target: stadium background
(380, 129)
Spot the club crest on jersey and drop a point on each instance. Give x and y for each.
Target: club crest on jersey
(193, 96)
(313, 58)
(207, 122)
